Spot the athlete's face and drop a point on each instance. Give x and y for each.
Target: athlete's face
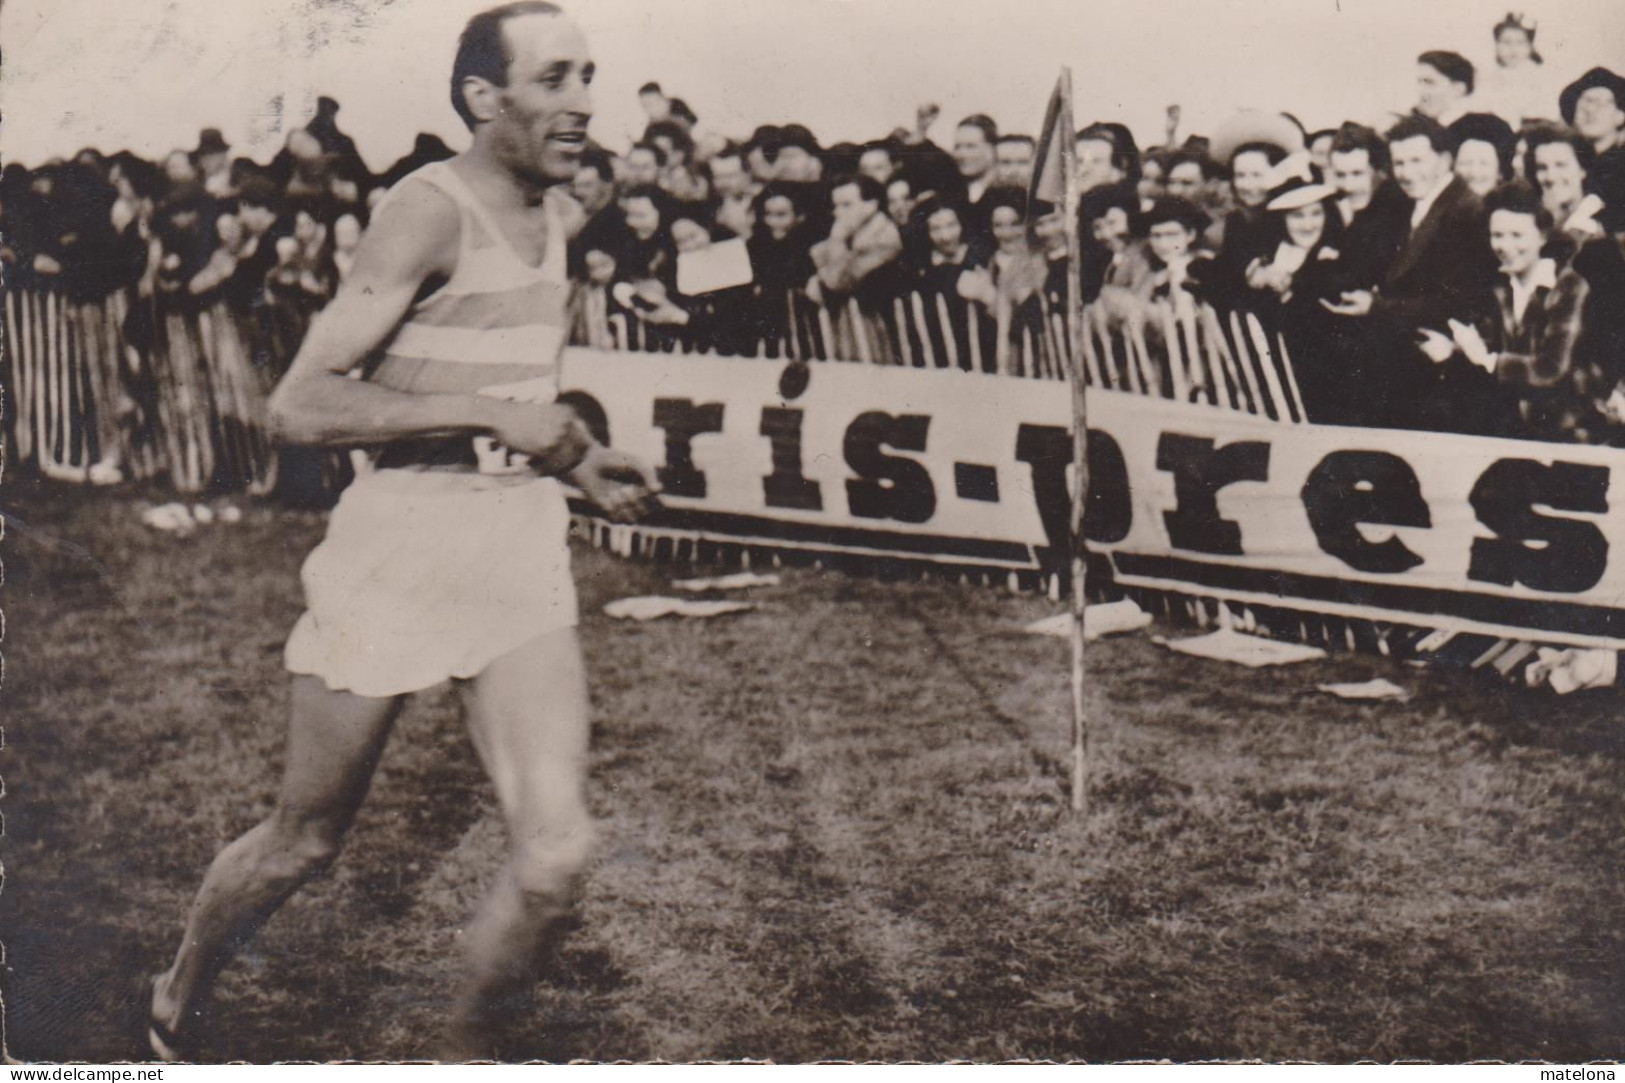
(540, 126)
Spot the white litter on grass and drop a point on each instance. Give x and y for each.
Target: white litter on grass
(737, 581)
(176, 518)
(1376, 688)
(1228, 645)
(651, 607)
(1106, 619)
(170, 518)
(1569, 670)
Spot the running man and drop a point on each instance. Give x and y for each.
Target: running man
(447, 559)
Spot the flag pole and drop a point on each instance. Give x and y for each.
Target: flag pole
(1080, 444)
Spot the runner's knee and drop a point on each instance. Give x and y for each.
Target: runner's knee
(305, 849)
(550, 863)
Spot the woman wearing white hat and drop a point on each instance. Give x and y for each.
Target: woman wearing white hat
(1304, 267)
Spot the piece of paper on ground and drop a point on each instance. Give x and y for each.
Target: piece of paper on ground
(1376, 688)
(1227, 645)
(1108, 618)
(651, 607)
(737, 581)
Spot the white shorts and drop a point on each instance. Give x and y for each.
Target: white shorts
(424, 576)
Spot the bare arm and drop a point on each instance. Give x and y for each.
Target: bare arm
(317, 403)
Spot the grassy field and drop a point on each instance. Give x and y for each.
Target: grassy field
(834, 827)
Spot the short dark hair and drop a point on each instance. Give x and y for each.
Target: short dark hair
(598, 160)
(680, 139)
(660, 155)
(1486, 128)
(1125, 151)
(663, 204)
(1415, 126)
(1351, 137)
(650, 88)
(259, 192)
(985, 123)
(1544, 134)
(1095, 204)
(869, 189)
(1005, 195)
(885, 146)
(1520, 197)
(931, 205)
(1183, 156)
(1272, 152)
(482, 51)
(1453, 66)
(779, 190)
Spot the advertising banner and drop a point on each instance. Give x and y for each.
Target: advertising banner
(1505, 537)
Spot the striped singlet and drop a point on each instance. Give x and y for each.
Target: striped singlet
(496, 326)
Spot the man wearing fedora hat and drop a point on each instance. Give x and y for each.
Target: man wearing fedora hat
(1594, 106)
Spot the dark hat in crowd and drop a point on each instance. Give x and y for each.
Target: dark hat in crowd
(1176, 209)
(767, 138)
(1596, 77)
(210, 141)
(1255, 126)
(1486, 128)
(798, 135)
(1295, 182)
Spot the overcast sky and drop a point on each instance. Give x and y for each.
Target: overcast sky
(147, 74)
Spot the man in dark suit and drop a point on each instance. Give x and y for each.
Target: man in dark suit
(1375, 213)
(1443, 264)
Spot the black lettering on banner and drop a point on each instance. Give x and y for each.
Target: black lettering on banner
(1541, 552)
(683, 421)
(1347, 489)
(888, 486)
(1200, 470)
(786, 486)
(1047, 449)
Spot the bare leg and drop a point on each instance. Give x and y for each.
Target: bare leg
(334, 740)
(528, 714)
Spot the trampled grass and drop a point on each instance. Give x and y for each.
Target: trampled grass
(834, 827)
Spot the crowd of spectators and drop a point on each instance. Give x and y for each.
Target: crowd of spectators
(1461, 268)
